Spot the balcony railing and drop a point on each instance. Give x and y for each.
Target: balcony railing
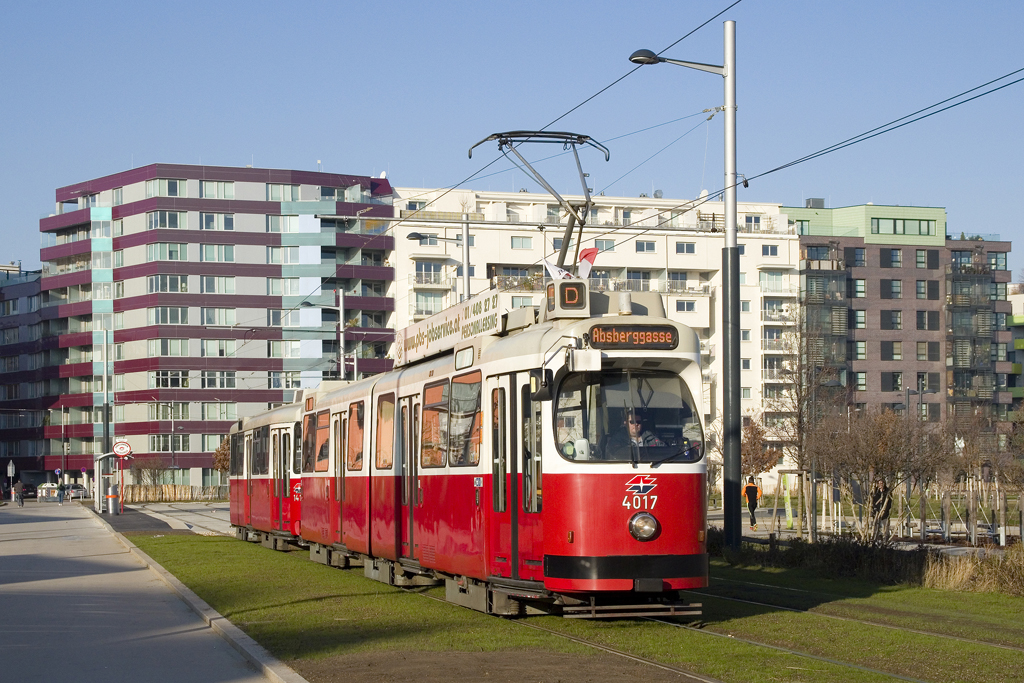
(429, 279)
(777, 374)
(774, 345)
(514, 283)
(778, 288)
(968, 269)
(776, 316)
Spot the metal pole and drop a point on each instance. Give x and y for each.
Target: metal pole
(341, 330)
(731, 308)
(465, 257)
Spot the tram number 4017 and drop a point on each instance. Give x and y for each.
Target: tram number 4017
(639, 502)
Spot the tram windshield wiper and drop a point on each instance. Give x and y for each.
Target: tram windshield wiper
(634, 454)
(681, 451)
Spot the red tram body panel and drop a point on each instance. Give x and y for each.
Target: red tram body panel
(553, 461)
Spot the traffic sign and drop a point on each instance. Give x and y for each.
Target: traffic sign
(122, 448)
(57, 471)
(10, 468)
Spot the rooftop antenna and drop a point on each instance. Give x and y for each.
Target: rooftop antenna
(507, 142)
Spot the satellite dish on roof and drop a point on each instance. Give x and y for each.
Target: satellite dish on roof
(383, 175)
(703, 194)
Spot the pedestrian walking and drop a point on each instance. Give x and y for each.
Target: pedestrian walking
(752, 492)
(60, 493)
(19, 491)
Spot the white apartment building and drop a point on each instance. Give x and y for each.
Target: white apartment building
(670, 246)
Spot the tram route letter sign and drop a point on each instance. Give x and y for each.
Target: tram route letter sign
(645, 337)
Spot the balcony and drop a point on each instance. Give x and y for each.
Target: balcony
(424, 214)
(968, 269)
(778, 288)
(777, 345)
(707, 348)
(969, 300)
(823, 264)
(776, 375)
(513, 283)
(689, 288)
(430, 280)
(773, 315)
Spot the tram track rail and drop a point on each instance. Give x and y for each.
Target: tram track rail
(865, 622)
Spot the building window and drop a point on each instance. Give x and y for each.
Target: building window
(283, 286)
(215, 189)
(211, 284)
(282, 255)
(167, 220)
(216, 221)
(900, 226)
(922, 289)
(168, 379)
(169, 443)
(168, 411)
(745, 335)
(892, 350)
(167, 283)
(285, 348)
(859, 257)
(168, 347)
(753, 224)
(605, 245)
(922, 258)
(290, 379)
(428, 240)
(212, 442)
(858, 289)
(217, 348)
(817, 253)
(859, 350)
(118, 196)
(997, 291)
(522, 242)
(685, 247)
(556, 243)
(282, 223)
(769, 249)
(219, 411)
(429, 303)
(744, 363)
(686, 306)
(627, 216)
(522, 301)
(895, 320)
(744, 307)
(217, 316)
(639, 280)
(998, 351)
(997, 260)
(860, 381)
(922, 350)
(162, 187)
(741, 249)
(167, 315)
(283, 318)
(745, 392)
(858, 320)
(282, 193)
(218, 379)
(644, 247)
(165, 251)
(217, 253)
(458, 271)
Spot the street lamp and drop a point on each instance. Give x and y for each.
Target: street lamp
(464, 240)
(731, 289)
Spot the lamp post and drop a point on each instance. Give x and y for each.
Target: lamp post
(341, 335)
(463, 240)
(731, 289)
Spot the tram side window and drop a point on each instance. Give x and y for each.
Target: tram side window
(434, 439)
(275, 449)
(531, 453)
(260, 444)
(308, 442)
(499, 477)
(235, 466)
(297, 454)
(464, 432)
(384, 454)
(286, 450)
(323, 440)
(339, 451)
(355, 436)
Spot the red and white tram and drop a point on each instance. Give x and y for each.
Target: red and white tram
(544, 460)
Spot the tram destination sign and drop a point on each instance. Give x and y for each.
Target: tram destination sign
(475, 317)
(642, 337)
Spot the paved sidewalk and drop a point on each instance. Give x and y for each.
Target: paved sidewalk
(76, 605)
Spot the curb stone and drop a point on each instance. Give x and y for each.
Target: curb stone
(270, 666)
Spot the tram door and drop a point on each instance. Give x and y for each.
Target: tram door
(247, 460)
(529, 531)
(339, 421)
(504, 553)
(408, 429)
(280, 448)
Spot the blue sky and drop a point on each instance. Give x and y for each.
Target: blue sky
(406, 87)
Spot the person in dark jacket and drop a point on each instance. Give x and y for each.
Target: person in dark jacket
(19, 493)
(752, 492)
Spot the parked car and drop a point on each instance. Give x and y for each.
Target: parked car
(29, 491)
(77, 491)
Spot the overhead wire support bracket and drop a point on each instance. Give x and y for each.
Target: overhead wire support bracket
(507, 142)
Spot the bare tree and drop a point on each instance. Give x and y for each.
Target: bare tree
(222, 456)
(148, 471)
(754, 452)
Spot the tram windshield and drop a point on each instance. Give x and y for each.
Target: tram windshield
(627, 416)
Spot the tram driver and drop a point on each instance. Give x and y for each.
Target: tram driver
(631, 433)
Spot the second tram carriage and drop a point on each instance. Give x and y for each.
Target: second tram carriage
(547, 460)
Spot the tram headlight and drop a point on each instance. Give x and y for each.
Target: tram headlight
(643, 526)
